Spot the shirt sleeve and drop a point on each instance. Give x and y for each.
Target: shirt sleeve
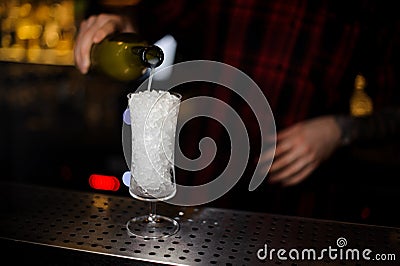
(379, 126)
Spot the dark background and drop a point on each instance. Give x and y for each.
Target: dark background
(57, 127)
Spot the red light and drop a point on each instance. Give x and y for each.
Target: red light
(104, 182)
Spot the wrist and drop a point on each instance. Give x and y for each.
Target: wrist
(345, 124)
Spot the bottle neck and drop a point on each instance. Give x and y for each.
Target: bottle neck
(152, 56)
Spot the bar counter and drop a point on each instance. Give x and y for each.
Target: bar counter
(55, 226)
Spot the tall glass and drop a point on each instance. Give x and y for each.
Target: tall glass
(153, 116)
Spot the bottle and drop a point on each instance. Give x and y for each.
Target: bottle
(125, 56)
(360, 103)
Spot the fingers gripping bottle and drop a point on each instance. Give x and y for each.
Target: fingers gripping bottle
(125, 56)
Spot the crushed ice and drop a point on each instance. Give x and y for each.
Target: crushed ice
(153, 117)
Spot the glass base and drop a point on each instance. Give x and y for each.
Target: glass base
(152, 227)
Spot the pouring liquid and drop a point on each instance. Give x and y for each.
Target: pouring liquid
(152, 69)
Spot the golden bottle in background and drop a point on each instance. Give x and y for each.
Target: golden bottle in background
(360, 102)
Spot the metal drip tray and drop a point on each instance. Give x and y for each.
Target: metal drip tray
(53, 226)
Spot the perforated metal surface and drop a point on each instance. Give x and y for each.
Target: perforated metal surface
(93, 224)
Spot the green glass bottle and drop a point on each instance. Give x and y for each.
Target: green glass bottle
(125, 56)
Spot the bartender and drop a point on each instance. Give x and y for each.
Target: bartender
(304, 57)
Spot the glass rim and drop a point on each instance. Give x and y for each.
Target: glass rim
(176, 94)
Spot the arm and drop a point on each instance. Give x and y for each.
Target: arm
(301, 148)
(380, 126)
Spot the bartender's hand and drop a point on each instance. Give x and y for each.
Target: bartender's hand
(93, 30)
(301, 148)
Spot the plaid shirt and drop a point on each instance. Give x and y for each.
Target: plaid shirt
(304, 55)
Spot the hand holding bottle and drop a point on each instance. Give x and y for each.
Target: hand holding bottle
(94, 30)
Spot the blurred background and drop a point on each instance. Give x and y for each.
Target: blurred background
(58, 126)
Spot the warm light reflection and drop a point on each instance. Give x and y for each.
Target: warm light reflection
(360, 103)
(28, 31)
(25, 9)
(33, 53)
(38, 31)
(100, 201)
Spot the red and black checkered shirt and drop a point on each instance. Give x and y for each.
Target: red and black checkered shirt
(304, 55)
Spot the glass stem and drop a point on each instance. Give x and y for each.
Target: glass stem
(152, 212)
